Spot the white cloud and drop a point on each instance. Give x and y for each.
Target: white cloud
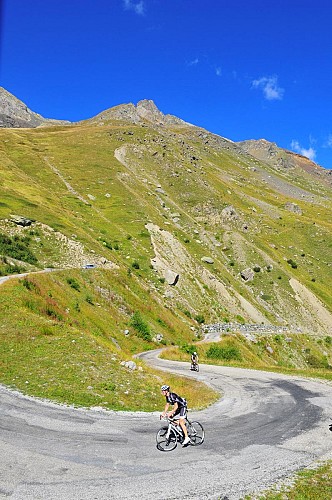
(138, 7)
(269, 86)
(218, 71)
(308, 153)
(328, 143)
(194, 62)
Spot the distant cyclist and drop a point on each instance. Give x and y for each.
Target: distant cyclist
(194, 359)
(179, 411)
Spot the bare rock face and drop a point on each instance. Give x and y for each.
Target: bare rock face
(14, 113)
(144, 111)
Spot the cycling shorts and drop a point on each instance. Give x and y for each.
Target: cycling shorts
(180, 413)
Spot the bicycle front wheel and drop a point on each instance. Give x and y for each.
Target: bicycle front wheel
(166, 441)
(196, 433)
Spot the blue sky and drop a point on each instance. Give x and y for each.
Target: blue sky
(242, 69)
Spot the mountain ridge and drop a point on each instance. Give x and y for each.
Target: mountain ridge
(15, 114)
(239, 230)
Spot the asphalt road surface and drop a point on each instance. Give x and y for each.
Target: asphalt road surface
(265, 427)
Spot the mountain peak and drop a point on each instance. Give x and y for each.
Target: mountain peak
(14, 113)
(145, 111)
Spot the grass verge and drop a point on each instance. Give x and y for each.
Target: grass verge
(309, 484)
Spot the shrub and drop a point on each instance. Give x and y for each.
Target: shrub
(135, 264)
(14, 269)
(227, 352)
(317, 362)
(29, 285)
(89, 299)
(108, 245)
(52, 312)
(292, 263)
(200, 319)
(141, 327)
(188, 348)
(17, 248)
(73, 283)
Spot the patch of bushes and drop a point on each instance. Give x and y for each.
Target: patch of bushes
(141, 327)
(89, 299)
(8, 269)
(292, 263)
(17, 247)
(108, 245)
(74, 283)
(30, 285)
(317, 362)
(227, 352)
(200, 319)
(188, 348)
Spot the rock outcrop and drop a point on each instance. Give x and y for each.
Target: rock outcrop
(15, 114)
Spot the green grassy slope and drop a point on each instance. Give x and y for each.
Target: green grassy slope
(137, 201)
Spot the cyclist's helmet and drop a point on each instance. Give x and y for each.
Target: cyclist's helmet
(165, 387)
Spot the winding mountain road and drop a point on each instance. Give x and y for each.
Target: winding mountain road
(265, 427)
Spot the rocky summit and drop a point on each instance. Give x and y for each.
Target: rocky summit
(14, 113)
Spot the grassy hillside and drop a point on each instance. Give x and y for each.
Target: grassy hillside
(299, 354)
(67, 335)
(141, 202)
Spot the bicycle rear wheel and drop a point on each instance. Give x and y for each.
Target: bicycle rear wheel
(196, 433)
(164, 442)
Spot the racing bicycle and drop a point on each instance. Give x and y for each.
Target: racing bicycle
(169, 435)
(194, 367)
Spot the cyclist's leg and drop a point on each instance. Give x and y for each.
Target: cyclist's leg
(182, 422)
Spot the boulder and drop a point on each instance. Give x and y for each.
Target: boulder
(171, 277)
(129, 364)
(293, 207)
(247, 274)
(208, 260)
(21, 221)
(229, 213)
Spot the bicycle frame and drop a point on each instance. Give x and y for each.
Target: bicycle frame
(175, 427)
